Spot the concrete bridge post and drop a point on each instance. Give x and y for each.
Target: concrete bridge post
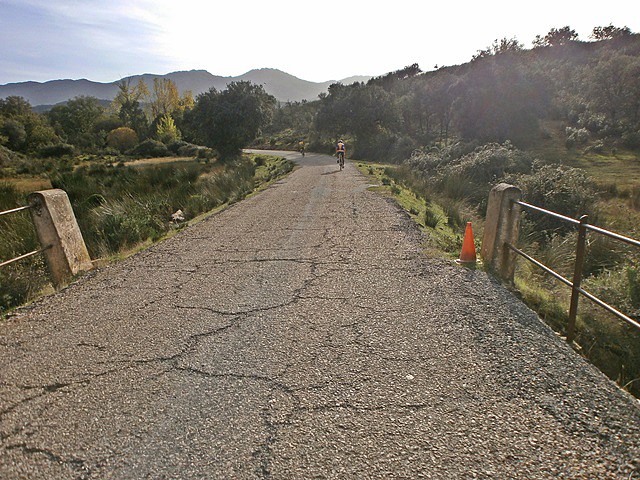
(502, 227)
(57, 229)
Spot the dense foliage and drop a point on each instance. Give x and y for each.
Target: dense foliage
(505, 92)
(229, 120)
(137, 120)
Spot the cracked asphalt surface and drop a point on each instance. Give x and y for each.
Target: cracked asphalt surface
(301, 334)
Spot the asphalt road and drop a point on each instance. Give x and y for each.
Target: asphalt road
(301, 334)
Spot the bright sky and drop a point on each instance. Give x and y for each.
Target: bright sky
(106, 40)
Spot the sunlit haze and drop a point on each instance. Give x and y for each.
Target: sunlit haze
(104, 41)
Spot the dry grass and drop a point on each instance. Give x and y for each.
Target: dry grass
(621, 169)
(28, 184)
(617, 167)
(160, 161)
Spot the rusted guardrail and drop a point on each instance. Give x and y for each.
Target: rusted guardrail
(499, 250)
(26, 255)
(58, 233)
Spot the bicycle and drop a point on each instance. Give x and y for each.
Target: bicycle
(340, 159)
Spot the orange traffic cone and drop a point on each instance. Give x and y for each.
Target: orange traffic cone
(468, 254)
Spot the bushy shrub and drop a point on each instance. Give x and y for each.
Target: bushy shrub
(631, 139)
(57, 150)
(122, 139)
(402, 148)
(13, 133)
(489, 163)
(561, 189)
(470, 176)
(576, 136)
(259, 160)
(166, 130)
(189, 150)
(183, 149)
(426, 163)
(431, 218)
(384, 146)
(594, 122)
(18, 281)
(110, 154)
(205, 153)
(149, 148)
(597, 147)
(633, 290)
(634, 197)
(125, 222)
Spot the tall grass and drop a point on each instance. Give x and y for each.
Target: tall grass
(21, 280)
(118, 207)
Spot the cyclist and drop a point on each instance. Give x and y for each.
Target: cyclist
(340, 153)
(301, 147)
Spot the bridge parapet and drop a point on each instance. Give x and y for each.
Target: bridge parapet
(57, 227)
(502, 227)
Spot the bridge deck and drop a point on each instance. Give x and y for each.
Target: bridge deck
(301, 334)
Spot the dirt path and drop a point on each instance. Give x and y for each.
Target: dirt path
(301, 334)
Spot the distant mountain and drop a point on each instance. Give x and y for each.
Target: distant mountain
(283, 86)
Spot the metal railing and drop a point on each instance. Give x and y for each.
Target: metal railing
(583, 226)
(26, 255)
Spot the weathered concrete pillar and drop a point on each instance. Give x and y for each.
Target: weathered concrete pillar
(501, 227)
(56, 225)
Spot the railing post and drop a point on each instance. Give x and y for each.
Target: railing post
(56, 226)
(577, 278)
(501, 227)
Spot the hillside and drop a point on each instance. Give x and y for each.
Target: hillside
(283, 86)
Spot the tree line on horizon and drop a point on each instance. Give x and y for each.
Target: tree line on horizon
(505, 92)
(139, 122)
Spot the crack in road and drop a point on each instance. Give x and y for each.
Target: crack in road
(75, 463)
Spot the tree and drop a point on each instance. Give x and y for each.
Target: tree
(333, 118)
(435, 99)
(502, 47)
(76, 120)
(166, 129)
(186, 102)
(21, 129)
(556, 37)
(165, 97)
(390, 79)
(497, 102)
(14, 106)
(613, 88)
(127, 105)
(609, 32)
(372, 108)
(14, 135)
(229, 120)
